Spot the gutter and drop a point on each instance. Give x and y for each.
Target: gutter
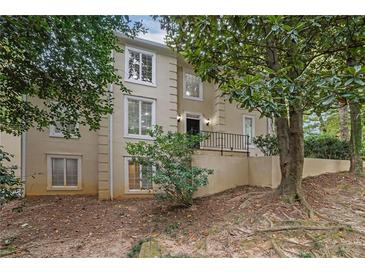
(111, 177)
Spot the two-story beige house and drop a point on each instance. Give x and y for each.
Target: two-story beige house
(166, 92)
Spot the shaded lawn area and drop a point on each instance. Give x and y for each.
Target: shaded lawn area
(228, 224)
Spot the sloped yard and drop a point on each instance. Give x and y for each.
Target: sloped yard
(243, 222)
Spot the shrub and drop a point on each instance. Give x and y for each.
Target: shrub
(267, 144)
(315, 146)
(170, 155)
(10, 185)
(326, 147)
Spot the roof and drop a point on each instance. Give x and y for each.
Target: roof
(147, 44)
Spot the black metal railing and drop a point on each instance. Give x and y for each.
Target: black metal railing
(224, 141)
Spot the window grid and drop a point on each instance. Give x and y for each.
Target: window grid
(140, 66)
(140, 112)
(64, 172)
(138, 180)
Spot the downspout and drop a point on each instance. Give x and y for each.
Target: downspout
(111, 143)
(23, 154)
(23, 161)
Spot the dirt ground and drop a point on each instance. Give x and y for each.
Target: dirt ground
(243, 222)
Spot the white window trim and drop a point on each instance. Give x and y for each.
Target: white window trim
(186, 113)
(126, 181)
(49, 172)
(126, 67)
(138, 136)
(201, 91)
(53, 133)
(251, 145)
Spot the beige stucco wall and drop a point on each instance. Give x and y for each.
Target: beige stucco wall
(165, 94)
(185, 105)
(265, 171)
(40, 144)
(233, 117)
(229, 172)
(12, 145)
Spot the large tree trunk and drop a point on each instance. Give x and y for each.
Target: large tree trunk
(291, 187)
(281, 123)
(356, 138)
(282, 131)
(344, 129)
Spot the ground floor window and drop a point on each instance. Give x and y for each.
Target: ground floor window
(64, 172)
(138, 177)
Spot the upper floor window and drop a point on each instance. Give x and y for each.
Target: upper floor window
(56, 131)
(139, 116)
(140, 66)
(193, 87)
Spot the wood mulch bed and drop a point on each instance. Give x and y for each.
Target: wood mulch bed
(242, 222)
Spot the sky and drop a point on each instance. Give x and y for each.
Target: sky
(154, 32)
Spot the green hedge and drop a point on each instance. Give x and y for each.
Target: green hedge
(315, 146)
(326, 147)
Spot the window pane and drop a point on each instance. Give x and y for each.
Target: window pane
(133, 65)
(248, 127)
(133, 116)
(147, 68)
(57, 172)
(192, 85)
(146, 117)
(146, 177)
(133, 175)
(71, 172)
(57, 128)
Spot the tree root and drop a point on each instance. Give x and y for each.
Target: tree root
(287, 228)
(278, 250)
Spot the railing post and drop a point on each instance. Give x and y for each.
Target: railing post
(221, 143)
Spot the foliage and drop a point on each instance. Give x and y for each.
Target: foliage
(134, 252)
(170, 154)
(10, 185)
(326, 147)
(322, 146)
(65, 62)
(267, 144)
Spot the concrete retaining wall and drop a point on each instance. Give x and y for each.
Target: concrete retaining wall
(231, 171)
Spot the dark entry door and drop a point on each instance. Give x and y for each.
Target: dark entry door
(192, 125)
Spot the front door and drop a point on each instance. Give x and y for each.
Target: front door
(192, 125)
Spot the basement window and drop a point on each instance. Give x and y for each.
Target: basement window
(64, 172)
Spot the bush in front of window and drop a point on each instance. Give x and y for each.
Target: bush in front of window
(171, 154)
(10, 185)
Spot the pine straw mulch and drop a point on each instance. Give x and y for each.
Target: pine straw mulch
(242, 222)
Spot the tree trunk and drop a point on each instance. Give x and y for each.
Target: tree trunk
(282, 125)
(282, 130)
(344, 129)
(356, 138)
(291, 187)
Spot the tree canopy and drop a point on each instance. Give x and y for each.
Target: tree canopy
(66, 62)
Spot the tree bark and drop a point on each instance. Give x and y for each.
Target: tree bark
(344, 129)
(356, 165)
(282, 131)
(291, 187)
(281, 123)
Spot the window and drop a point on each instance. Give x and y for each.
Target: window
(140, 66)
(193, 87)
(138, 177)
(140, 116)
(249, 127)
(64, 172)
(55, 131)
